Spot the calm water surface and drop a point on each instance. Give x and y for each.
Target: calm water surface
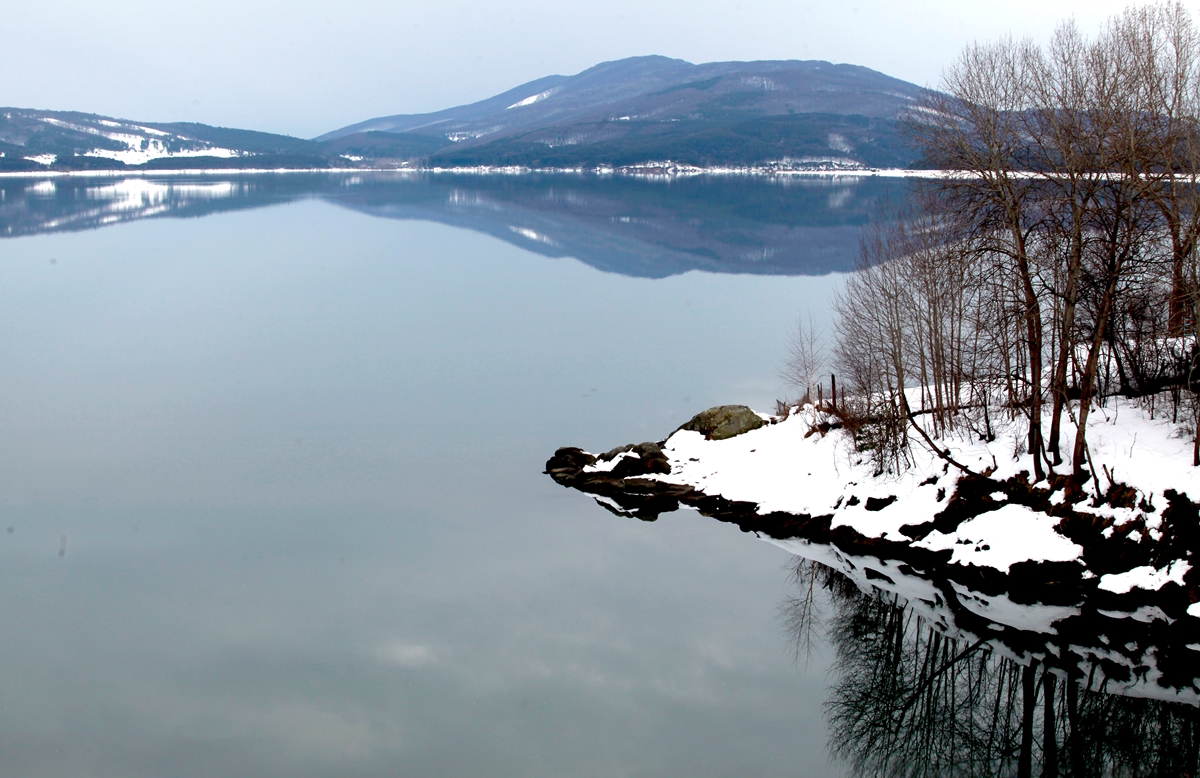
(272, 495)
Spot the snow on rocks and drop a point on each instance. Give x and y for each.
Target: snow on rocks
(999, 538)
(787, 467)
(802, 475)
(1145, 577)
(607, 466)
(804, 465)
(1100, 580)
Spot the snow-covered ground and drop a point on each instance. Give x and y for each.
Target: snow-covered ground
(791, 467)
(1127, 626)
(1118, 635)
(142, 144)
(139, 153)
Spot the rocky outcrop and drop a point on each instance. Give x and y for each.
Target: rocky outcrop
(1158, 634)
(724, 421)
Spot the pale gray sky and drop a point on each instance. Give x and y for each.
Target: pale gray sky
(304, 67)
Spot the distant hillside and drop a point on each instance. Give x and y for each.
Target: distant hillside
(33, 140)
(623, 113)
(654, 108)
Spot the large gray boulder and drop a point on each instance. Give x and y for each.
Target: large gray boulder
(724, 421)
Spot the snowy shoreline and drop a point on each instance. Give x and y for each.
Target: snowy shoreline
(648, 170)
(805, 465)
(1082, 584)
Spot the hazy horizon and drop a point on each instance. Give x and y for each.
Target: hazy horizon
(306, 68)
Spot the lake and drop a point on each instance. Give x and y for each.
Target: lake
(272, 487)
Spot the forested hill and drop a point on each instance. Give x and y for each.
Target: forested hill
(654, 108)
(624, 113)
(34, 141)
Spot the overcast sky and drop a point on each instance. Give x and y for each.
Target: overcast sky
(305, 67)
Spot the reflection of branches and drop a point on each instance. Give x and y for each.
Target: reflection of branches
(1132, 737)
(800, 614)
(954, 661)
(910, 701)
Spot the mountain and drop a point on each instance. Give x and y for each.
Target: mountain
(625, 113)
(33, 140)
(654, 108)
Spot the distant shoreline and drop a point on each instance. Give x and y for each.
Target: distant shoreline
(648, 170)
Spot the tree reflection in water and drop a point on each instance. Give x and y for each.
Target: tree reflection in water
(909, 700)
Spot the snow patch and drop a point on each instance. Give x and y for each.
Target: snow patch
(540, 96)
(1000, 609)
(142, 150)
(1004, 537)
(1145, 577)
(1145, 614)
(606, 466)
(839, 143)
(529, 234)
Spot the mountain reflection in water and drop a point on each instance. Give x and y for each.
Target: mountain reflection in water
(634, 227)
(914, 695)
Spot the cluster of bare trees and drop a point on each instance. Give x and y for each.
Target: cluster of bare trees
(1056, 263)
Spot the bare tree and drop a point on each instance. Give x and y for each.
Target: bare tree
(976, 125)
(806, 358)
(1058, 262)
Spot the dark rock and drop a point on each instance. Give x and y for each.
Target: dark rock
(650, 459)
(724, 421)
(567, 462)
(1121, 495)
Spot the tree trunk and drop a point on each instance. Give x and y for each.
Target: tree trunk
(1074, 736)
(1033, 331)
(1087, 384)
(1196, 444)
(1049, 730)
(1028, 703)
(1058, 383)
(1177, 314)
